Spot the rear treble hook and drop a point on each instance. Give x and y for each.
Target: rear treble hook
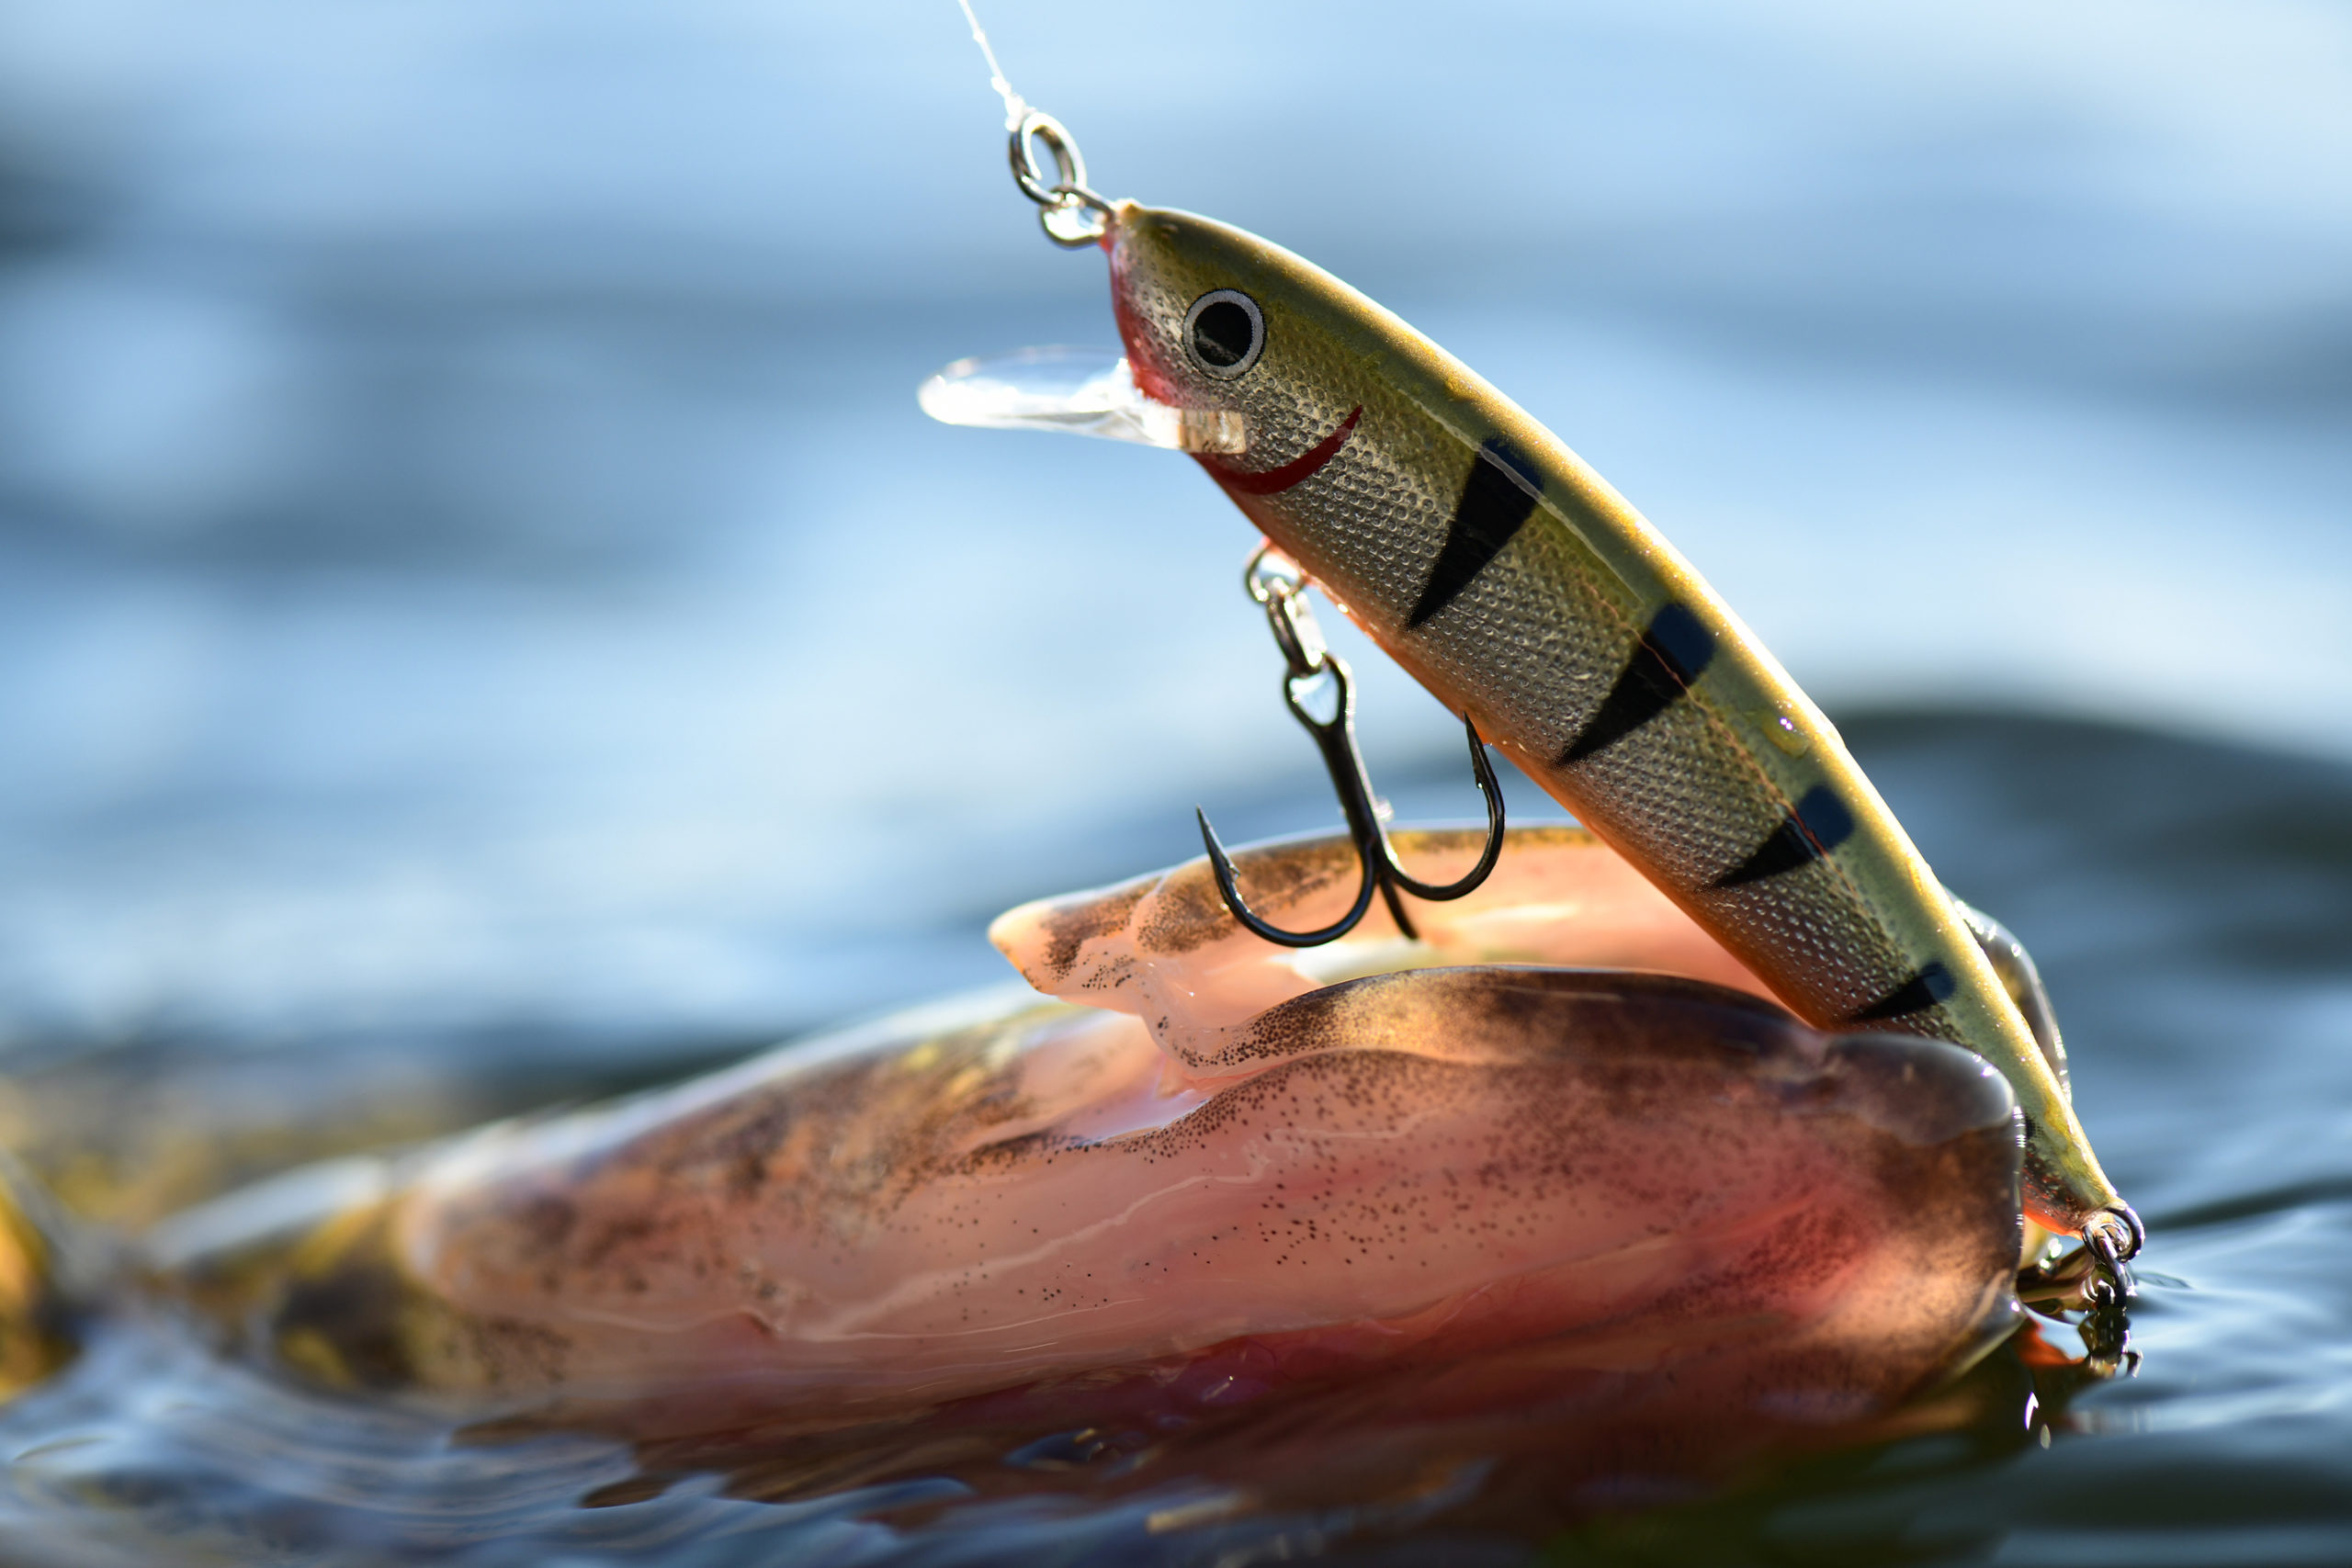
(1277, 583)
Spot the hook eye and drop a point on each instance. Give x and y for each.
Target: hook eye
(1318, 698)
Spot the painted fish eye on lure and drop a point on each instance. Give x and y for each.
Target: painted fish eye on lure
(1492, 563)
(1225, 331)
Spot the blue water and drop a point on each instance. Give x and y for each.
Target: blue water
(2190, 904)
(474, 584)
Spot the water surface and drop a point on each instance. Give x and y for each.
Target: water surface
(2190, 904)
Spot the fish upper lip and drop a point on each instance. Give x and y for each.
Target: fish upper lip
(1270, 481)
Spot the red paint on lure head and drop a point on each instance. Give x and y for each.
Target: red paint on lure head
(1276, 479)
(1147, 356)
(1213, 319)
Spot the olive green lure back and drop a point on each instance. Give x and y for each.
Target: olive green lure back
(1512, 581)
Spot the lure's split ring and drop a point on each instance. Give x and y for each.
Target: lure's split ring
(1276, 582)
(1272, 573)
(1069, 165)
(1073, 215)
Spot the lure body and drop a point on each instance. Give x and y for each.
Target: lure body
(1512, 582)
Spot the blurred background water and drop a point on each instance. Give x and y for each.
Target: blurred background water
(472, 572)
(469, 556)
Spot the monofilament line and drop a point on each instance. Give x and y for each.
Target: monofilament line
(1014, 106)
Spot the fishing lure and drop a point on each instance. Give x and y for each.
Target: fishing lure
(1515, 584)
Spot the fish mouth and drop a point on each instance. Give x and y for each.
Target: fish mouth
(1271, 482)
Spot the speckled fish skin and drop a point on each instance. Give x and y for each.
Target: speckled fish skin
(1419, 1163)
(1512, 582)
(1164, 947)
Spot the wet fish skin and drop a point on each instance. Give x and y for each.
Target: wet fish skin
(1164, 947)
(1416, 1164)
(1518, 587)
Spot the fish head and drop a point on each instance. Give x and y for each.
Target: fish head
(1212, 317)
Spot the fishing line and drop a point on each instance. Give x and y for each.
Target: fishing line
(1074, 215)
(1015, 106)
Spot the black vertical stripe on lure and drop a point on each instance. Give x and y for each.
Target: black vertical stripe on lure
(1668, 657)
(1922, 992)
(1818, 825)
(1497, 500)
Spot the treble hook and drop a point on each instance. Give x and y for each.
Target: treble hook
(1277, 583)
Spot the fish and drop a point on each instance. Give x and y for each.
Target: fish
(1507, 576)
(1392, 1168)
(1652, 1237)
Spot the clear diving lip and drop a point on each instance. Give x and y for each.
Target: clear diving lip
(1082, 391)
